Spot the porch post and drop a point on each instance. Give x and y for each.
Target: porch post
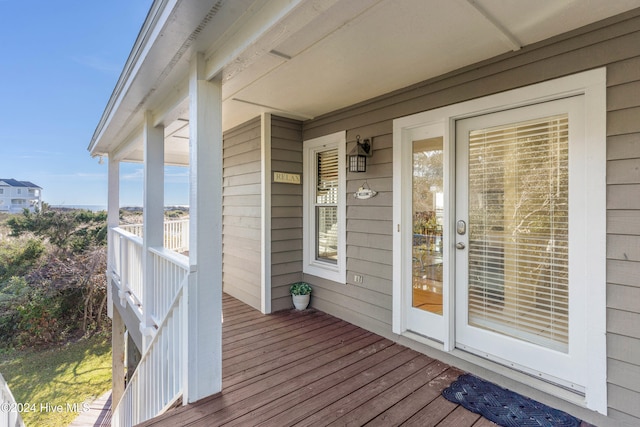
(204, 292)
(153, 216)
(117, 358)
(113, 220)
(117, 324)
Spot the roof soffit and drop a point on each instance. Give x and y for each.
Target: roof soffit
(310, 57)
(158, 60)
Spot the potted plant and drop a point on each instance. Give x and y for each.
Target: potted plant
(300, 292)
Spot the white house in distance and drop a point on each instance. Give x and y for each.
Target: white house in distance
(505, 147)
(15, 196)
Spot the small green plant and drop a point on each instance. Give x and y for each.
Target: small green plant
(300, 288)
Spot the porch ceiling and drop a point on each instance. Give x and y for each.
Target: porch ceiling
(315, 57)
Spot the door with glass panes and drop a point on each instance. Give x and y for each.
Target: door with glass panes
(426, 288)
(515, 229)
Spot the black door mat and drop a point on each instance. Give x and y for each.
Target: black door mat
(504, 407)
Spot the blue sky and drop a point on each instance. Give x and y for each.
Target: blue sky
(60, 62)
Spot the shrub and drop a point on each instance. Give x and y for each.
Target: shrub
(49, 293)
(74, 230)
(18, 257)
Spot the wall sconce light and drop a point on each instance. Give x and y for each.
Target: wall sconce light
(358, 156)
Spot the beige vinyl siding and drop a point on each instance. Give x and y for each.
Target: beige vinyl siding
(623, 236)
(369, 238)
(286, 211)
(241, 221)
(614, 44)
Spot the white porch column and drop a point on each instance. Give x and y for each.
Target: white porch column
(118, 327)
(204, 292)
(153, 216)
(117, 358)
(113, 220)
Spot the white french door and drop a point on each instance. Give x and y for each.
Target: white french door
(518, 274)
(518, 236)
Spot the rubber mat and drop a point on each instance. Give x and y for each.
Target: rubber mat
(504, 407)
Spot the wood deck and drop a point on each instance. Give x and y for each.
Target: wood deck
(311, 369)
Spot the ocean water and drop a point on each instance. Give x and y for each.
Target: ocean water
(94, 208)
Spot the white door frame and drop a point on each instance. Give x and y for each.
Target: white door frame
(591, 84)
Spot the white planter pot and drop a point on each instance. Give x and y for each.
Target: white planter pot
(301, 301)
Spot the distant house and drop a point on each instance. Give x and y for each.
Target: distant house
(17, 195)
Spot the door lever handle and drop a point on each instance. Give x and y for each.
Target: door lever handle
(460, 245)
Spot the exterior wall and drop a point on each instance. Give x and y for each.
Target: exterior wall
(16, 199)
(241, 213)
(5, 198)
(286, 211)
(614, 43)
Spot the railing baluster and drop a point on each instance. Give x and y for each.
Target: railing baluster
(158, 380)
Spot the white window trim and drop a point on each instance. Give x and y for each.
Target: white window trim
(335, 272)
(591, 84)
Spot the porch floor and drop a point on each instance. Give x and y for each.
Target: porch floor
(310, 368)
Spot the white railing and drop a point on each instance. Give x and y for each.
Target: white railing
(176, 234)
(126, 265)
(135, 229)
(9, 409)
(158, 381)
(169, 272)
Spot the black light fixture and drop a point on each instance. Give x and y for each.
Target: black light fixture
(358, 156)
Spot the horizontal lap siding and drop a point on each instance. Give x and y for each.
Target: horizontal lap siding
(241, 218)
(623, 238)
(286, 211)
(614, 44)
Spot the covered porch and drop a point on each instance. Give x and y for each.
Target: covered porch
(263, 100)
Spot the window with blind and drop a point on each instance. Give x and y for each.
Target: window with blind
(519, 234)
(324, 176)
(326, 206)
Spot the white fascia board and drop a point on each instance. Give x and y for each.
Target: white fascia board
(156, 19)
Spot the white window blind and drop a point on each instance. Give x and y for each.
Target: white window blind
(518, 225)
(327, 205)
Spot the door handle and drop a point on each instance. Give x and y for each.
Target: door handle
(460, 245)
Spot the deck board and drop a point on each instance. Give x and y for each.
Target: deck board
(311, 369)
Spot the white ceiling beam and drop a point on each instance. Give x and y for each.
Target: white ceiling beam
(267, 25)
(128, 145)
(174, 106)
(503, 32)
